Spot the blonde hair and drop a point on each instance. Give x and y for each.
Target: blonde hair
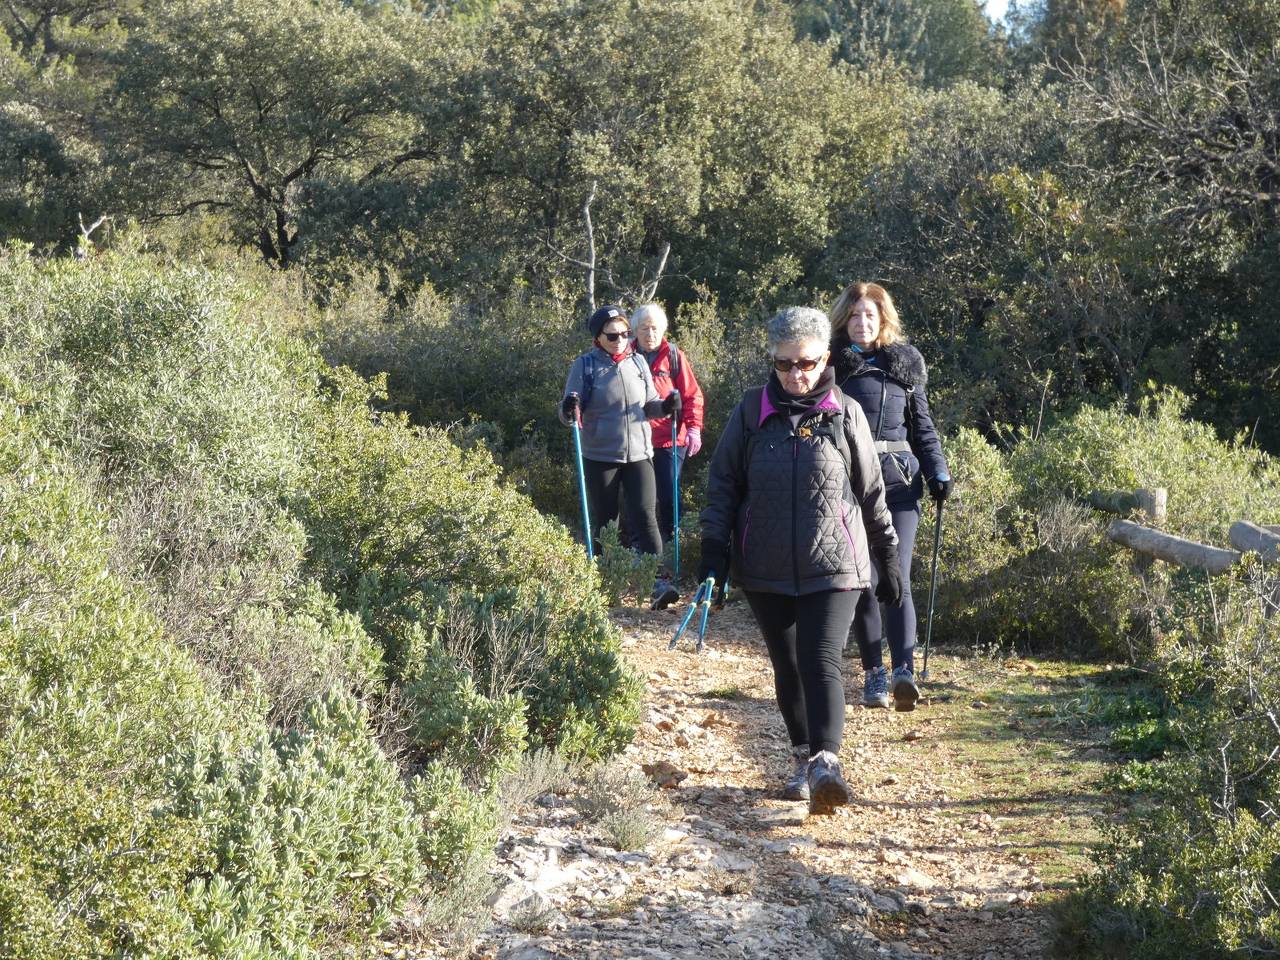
(842, 309)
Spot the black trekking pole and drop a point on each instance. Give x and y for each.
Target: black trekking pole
(933, 589)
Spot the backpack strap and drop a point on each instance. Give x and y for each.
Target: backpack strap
(842, 443)
(588, 378)
(673, 361)
(749, 420)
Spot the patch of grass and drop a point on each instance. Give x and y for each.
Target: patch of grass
(534, 917)
(619, 906)
(539, 772)
(1032, 740)
(632, 829)
(617, 798)
(728, 692)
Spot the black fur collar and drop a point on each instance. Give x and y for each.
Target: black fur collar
(901, 361)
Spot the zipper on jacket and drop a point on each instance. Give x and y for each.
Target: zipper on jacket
(626, 408)
(884, 398)
(795, 509)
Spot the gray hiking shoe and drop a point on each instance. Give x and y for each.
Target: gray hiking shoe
(827, 789)
(664, 594)
(797, 785)
(905, 691)
(875, 688)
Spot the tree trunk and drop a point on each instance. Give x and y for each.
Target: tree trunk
(1186, 553)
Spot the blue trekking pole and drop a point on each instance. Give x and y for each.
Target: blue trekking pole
(582, 481)
(701, 602)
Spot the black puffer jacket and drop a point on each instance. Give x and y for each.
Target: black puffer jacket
(799, 520)
(891, 392)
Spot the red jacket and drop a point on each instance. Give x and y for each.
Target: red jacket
(690, 394)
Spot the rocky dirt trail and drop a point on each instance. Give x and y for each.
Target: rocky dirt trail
(972, 813)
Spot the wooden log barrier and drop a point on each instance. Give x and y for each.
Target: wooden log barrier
(1247, 536)
(1154, 502)
(1164, 546)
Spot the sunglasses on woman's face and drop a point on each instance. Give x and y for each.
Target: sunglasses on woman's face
(615, 337)
(804, 366)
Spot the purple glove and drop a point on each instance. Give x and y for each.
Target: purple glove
(692, 441)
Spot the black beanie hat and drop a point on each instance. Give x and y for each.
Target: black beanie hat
(597, 320)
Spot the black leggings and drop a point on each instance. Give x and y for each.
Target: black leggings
(634, 482)
(898, 623)
(805, 636)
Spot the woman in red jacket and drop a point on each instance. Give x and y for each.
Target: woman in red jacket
(671, 373)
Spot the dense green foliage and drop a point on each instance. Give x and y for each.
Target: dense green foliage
(1193, 876)
(1027, 562)
(242, 579)
(229, 590)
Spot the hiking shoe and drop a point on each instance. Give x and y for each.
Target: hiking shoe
(827, 789)
(664, 594)
(875, 688)
(797, 785)
(905, 691)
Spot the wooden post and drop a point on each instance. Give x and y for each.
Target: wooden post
(1172, 549)
(1252, 538)
(1154, 502)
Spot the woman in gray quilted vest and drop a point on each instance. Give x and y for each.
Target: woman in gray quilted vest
(796, 499)
(610, 392)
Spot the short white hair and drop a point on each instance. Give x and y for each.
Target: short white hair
(647, 310)
(797, 325)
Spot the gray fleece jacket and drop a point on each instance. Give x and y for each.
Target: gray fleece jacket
(616, 415)
(800, 522)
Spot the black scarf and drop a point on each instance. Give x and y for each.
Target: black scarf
(790, 404)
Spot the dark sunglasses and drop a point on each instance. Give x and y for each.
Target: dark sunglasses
(614, 337)
(804, 366)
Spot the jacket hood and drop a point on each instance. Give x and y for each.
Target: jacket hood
(901, 361)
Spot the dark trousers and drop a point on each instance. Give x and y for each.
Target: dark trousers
(805, 636)
(630, 484)
(662, 457)
(873, 620)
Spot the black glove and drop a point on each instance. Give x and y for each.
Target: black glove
(714, 562)
(671, 404)
(569, 407)
(889, 589)
(940, 487)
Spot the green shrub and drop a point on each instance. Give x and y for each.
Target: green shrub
(153, 370)
(623, 572)
(980, 527)
(616, 798)
(92, 702)
(459, 822)
(1195, 874)
(314, 837)
(1024, 561)
(1210, 483)
(453, 721)
(400, 516)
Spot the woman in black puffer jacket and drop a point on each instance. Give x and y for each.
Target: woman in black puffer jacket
(887, 377)
(795, 487)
